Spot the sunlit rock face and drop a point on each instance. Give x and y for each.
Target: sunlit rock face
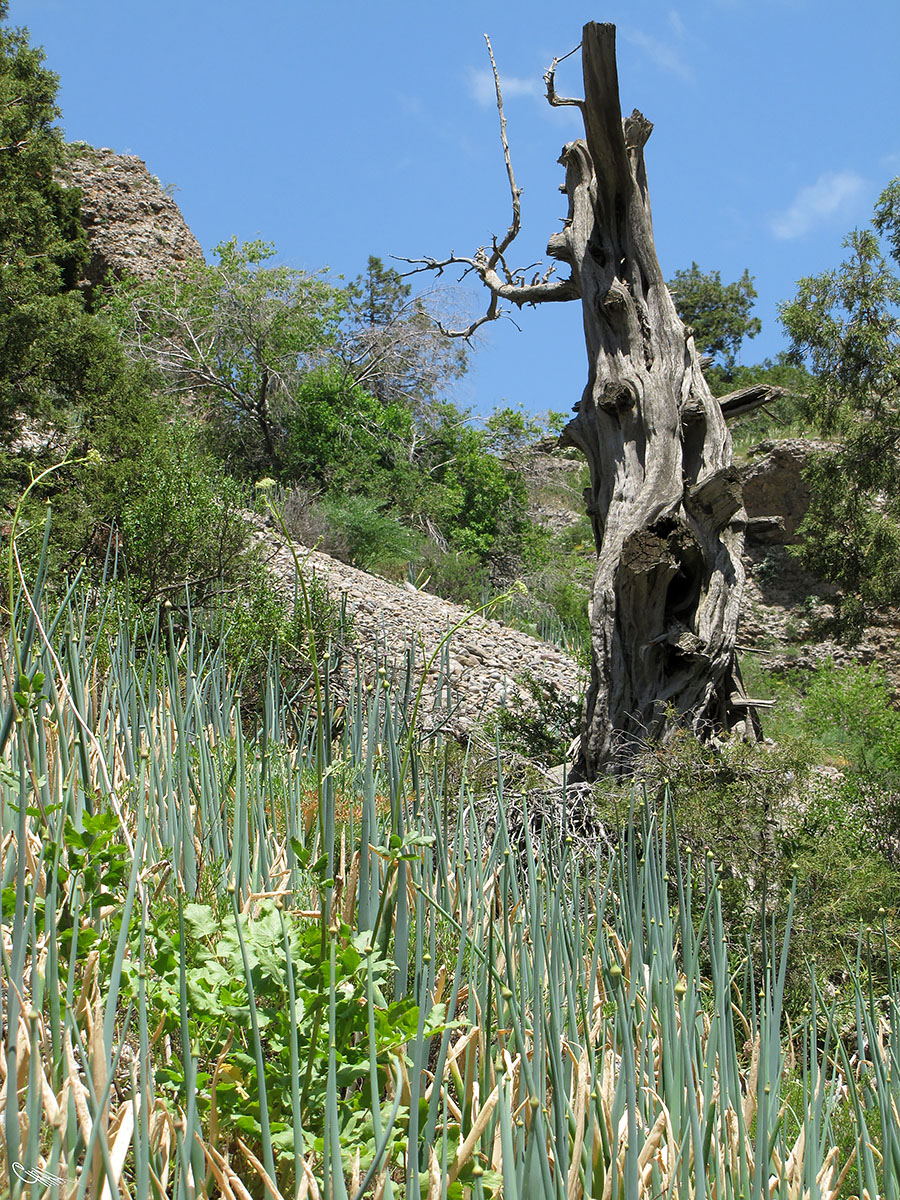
(132, 223)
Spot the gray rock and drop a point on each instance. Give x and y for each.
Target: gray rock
(132, 223)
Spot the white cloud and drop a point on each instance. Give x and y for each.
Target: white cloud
(667, 55)
(676, 24)
(833, 194)
(481, 87)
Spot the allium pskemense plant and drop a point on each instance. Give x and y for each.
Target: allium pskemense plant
(233, 1000)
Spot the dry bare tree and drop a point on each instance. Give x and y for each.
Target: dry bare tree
(665, 498)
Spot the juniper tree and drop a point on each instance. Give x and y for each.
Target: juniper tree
(844, 325)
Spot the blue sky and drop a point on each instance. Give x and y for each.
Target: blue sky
(338, 130)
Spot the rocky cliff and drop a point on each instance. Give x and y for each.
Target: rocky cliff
(132, 223)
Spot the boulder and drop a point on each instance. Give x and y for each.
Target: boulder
(774, 486)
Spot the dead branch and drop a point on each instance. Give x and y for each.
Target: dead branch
(745, 400)
(517, 292)
(511, 285)
(553, 97)
(514, 191)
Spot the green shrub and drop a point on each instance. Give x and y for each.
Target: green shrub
(849, 710)
(344, 964)
(181, 522)
(338, 435)
(456, 575)
(543, 725)
(770, 822)
(366, 536)
(260, 620)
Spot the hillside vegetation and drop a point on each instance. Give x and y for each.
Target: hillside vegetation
(266, 929)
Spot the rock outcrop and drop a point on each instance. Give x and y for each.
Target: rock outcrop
(132, 223)
(555, 485)
(774, 486)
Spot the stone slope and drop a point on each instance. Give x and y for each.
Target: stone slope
(478, 668)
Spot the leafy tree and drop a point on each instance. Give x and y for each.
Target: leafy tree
(41, 236)
(845, 325)
(134, 476)
(480, 502)
(61, 369)
(509, 430)
(718, 312)
(338, 434)
(240, 337)
(181, 523)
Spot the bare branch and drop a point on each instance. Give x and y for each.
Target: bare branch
(543, 289)
(507, 283)
(550, 81)
(515, 192)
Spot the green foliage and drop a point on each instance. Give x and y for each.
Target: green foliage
(61, 369)
(339, 392)
(844, 324)
(391, 342)
(853, 715)
(55, 362)
(342, 963)
(542, 724)
(241, 336)
(457, 575)
(181, 522)
(849, 712)
(510, 430)
(719, 313)
(782, 417)
(42, 243)
(284, 976)
(770, 825)
(88, 873)
(369, 537)
(480, 502)
(257, 625)
(336, 434)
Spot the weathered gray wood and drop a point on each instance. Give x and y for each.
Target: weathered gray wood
(745, 400)
(665, 500)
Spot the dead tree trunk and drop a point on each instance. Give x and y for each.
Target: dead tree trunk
(665, 500)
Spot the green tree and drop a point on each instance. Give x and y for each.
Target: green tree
(68, 388)
(718, 312)
(64, 381)
(42, 244)
(845, 325)
(508, 431)
(181, 523)
(337, 434)
(480, 504)
(392, 342)
(240, 337)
